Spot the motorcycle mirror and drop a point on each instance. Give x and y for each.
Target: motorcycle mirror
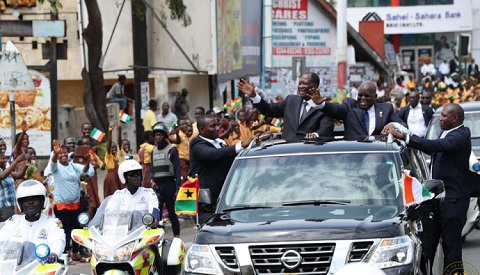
(42, 251)
(83, 219)
(148, 219)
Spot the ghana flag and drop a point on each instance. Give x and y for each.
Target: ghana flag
(186, 202)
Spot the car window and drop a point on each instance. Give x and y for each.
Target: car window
(363, 178)
(472, 121)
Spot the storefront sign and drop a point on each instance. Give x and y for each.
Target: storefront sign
(455, 17)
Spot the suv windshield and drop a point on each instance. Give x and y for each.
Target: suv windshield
(363, 178)
(472, 121)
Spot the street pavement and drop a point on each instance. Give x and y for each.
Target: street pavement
(470, 250)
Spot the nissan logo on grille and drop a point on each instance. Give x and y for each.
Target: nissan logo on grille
(291, 259)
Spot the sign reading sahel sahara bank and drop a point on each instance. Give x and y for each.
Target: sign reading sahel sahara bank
(299, 28)
(456, 17)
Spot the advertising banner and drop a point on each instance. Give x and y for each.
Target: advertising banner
(239, 38)
(453, 17)
(33, 107)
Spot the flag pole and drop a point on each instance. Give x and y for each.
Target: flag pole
(197, 188)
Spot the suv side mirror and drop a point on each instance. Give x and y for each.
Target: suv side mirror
(436, 187)
(204, 196)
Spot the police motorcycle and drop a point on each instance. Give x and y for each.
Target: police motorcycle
(25, 258)
(128, 242)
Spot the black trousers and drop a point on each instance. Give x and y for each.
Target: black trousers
(69, 222)
(166, 195)
(446, 220)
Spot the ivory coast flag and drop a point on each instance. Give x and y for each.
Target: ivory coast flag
(414, 191)
(97, 134)
(186, 202)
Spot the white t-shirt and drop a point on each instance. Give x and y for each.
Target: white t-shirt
(44, 231)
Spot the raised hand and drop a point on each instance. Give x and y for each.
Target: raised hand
(110, 128)
(314, 94)
(24, 126)
(56, 146)
(246, 88)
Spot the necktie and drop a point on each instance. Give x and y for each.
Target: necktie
(304, 111)
(222, 144)
(366, 118)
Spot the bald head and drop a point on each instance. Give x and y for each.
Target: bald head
(456, 110)
(369, 86)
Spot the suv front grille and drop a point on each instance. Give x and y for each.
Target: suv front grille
(358, 251)
(314, 258)
(228, 256)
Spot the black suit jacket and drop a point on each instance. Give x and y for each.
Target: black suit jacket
(293, 130)
(450, 157)
(427, 112)
(353, 121)
(211, 164)
(470, 67)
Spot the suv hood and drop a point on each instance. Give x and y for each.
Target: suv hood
(232, 228)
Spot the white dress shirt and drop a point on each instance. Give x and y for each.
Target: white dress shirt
(219, 143)
(416, 122)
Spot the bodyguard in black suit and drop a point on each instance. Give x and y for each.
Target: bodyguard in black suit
(210, 157)
(416, 116)
(450, 163)
(302, 118)
(360, 117)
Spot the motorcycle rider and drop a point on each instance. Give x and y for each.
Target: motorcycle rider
(33, 225)
(132, 198)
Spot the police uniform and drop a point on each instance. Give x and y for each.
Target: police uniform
(43, 231)
(165, 172)
(143, 200)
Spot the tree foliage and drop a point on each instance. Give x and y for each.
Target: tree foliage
(94, 96)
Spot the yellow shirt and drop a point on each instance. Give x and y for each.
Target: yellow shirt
(233, 139)
(110, 161)
(121, 155)
(147, 154)
(149, 119)
(195, 130)
(184, 146)
(245, 131)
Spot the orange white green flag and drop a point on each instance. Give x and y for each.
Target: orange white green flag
(186, 202)
(414, 192)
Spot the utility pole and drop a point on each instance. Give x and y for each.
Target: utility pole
(53, 81)
(140, 61)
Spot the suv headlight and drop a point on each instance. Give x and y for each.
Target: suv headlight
(200, 259)
(392, 252)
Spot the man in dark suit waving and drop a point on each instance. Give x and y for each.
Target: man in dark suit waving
(450, 163)
(302, 118)
(361, 117)
(417, 116)
(211, 157)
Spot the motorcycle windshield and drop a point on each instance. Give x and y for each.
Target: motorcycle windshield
(15, 255)
(117, 224)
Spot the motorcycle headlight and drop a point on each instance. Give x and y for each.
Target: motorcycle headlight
(199, 259)
(392, 252)
(101, 252)
(123, 253)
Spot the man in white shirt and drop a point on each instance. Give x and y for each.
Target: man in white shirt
(428, 68)
(167, 117)
(33, 226)
(116, 94)
(133, 197)
(444, 69)
(417, 116)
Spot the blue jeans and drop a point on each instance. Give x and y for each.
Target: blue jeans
(120, 100)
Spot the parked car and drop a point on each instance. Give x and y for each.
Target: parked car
(310, 208)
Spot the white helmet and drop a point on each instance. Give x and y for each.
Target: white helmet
(128, 166)
(359, 269)
(31, 188)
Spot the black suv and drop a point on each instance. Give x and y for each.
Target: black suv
(310, 208)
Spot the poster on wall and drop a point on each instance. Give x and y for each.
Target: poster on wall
(239, 38)
(302, 41)
(33, 107)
